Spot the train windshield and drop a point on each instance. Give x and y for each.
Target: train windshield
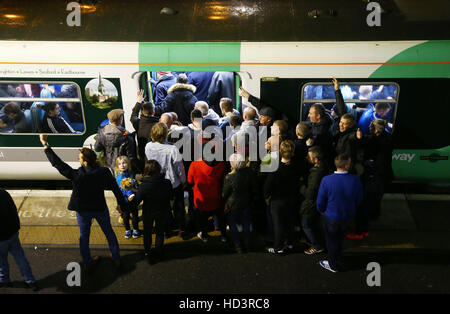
(30, 107)
(366, 101)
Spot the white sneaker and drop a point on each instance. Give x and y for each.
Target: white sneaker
(202, 237)
(326, 265)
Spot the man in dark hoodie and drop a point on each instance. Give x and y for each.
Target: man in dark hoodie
(180, 99)
(115, 141)
(9, 242)
(143, 124)
(309, 191)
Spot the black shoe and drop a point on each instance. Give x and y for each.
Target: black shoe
(33, 286)
(89, 268)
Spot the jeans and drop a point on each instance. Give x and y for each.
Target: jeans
(310, 230)
(243, 217)
(202, 220)
(178, 209)
(13, 245)
(134, 218)
(85, 221)
(334, 233)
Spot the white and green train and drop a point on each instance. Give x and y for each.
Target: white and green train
(280, 73)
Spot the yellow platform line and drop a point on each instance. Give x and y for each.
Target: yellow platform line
(69, 235)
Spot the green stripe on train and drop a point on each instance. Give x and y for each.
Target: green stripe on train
(203, 52)
(422, 165)
(431, 51)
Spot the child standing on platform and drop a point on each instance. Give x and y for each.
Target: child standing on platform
(123, 178)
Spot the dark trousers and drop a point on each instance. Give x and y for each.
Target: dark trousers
(178, 209)
(134, 219)
(160, 221)
(202, 220)
(334, 235)
(283, 223)
(242, 217)
(370, 209)
(309, 226)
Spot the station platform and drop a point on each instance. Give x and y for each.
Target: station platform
(46, 221)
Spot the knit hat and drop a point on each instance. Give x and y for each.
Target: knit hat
(114, 115)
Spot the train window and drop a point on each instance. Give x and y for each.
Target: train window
(209, 86)
(366, 101)
(44, 107)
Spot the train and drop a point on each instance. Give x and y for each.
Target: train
(95, 76)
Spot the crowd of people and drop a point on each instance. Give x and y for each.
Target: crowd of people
(237, 173)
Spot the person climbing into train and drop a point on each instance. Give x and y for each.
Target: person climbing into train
(127, 183)
(10, 243)
(165, 80)
(114, 141)
(89, 183)
(180, 99)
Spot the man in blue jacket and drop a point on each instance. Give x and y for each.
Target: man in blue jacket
(339, 195)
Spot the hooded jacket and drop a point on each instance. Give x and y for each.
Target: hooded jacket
(181, 100)
(162, 86)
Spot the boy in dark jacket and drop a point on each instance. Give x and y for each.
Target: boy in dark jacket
(9, 242)
(156, 192)
(308, 211)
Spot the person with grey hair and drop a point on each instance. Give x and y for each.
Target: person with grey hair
(207, 113)
(240, 192)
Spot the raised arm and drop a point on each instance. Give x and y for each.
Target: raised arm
(54, 159)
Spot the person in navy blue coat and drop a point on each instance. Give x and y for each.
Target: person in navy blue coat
(339, 196)
(201, 81)
(165, 81)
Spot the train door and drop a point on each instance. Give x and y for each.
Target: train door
(209, 86)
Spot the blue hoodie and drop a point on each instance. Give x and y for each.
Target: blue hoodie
(339, 195)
